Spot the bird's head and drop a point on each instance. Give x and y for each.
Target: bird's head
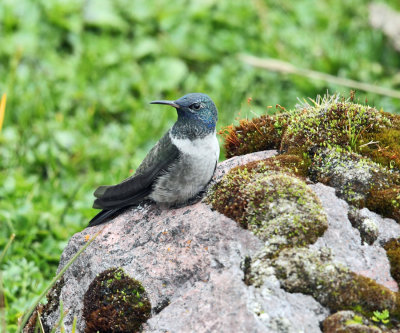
(194, 110)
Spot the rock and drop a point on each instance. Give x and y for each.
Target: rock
(192, 263)
(367, 227)
(345, 241)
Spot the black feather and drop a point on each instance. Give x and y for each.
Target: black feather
(104, 216)
(136, 188)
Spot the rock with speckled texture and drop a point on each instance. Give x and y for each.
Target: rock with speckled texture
(191, 262)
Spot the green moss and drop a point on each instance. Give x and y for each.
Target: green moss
(384, 145)
(348, 322)
(385, 202)
(358, 180)
(358, 149)
(327, 123)
(282, 205)
(114, 302)
(290, 164)
(352, 147)
(275, 206)
(258, 134)
(334, 286)
(228, 196)
(392, 248)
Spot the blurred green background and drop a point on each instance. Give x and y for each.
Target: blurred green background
(79, 76)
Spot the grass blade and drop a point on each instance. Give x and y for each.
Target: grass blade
(2, 109)
(74, 324)
(2, 306)
(27, 315)
(3, 254)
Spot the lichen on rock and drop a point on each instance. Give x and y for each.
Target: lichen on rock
(366, 226)
(280, 205)
(358, 180)
(115, 302)
(333, 285)
(348, 322)
(275, 206)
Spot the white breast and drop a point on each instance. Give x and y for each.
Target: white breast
(191, 173)
(204, 148)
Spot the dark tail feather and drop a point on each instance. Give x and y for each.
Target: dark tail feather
(103, 216)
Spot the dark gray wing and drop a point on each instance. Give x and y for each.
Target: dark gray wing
(137, 187)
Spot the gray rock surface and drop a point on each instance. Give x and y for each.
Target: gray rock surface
(189, 260)
(345, 241)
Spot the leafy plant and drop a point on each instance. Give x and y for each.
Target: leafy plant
(355, 320)
(381, 317)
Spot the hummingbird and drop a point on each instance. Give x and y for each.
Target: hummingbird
(176, 169)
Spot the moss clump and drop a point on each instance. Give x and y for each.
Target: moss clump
(392, 248)
(358, 180)
(384, 147)
(227, 196)
(276, 207)
(316, 274)
(259, 134)
(333, 125)
(330, 123)
(282, 205)
(290, 164)
(114, 302)
(385, 202)
(348, 322)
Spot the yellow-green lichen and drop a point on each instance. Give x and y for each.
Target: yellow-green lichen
(282, 205)
(315, 273)
(358, 180)
(273, 205)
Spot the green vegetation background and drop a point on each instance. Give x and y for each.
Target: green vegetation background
(79, 76)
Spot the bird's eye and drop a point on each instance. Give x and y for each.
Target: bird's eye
(195, 106)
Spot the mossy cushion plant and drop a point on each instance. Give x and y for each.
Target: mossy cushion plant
(271, 204)
(115, 302)
(331, 135)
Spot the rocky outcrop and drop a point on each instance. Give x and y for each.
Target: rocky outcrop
(196, 270)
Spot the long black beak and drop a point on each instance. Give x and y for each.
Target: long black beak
(170, 103)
